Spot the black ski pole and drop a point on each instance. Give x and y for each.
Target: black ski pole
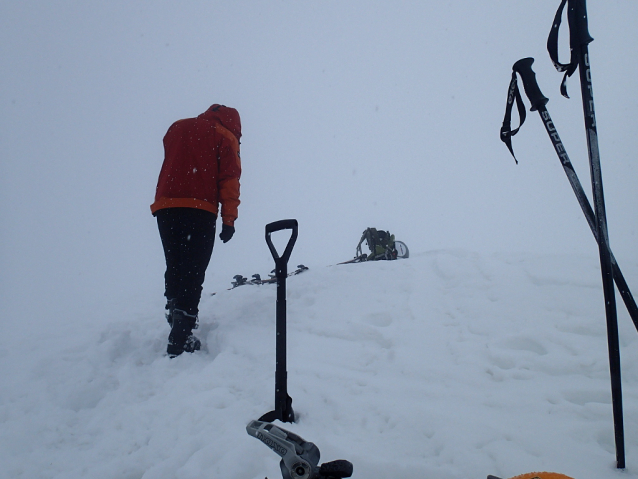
(538, 101)
(579, 44)
(283, 402)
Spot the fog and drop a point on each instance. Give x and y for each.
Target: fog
(355, 114)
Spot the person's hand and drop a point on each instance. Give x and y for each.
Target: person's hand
(227, 233)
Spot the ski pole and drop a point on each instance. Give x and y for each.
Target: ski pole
(283, 402)
(579, 43)
(538, 101)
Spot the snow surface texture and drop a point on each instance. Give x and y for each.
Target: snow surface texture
(449, 364)
(483, 353)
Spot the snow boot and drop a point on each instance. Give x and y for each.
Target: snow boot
(181, 337)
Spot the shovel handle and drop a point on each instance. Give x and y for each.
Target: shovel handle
(278, 226)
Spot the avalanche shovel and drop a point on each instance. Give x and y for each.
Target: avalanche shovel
(283, 403)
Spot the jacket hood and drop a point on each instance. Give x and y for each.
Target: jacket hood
(228, 117)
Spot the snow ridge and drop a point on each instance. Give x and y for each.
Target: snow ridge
(451, 364)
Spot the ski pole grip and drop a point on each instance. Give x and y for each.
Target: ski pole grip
(524, 68)
(278, 226)
(577, 17)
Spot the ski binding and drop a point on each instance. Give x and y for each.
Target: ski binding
(299, 457)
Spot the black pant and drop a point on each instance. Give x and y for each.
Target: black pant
(188, 236)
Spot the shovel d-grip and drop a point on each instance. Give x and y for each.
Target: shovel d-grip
(283, 402)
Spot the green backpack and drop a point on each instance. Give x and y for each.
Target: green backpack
(381, 244)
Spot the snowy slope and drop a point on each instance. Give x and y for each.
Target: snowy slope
(467, 359)
(450, 364)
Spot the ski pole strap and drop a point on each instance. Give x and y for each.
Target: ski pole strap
(507, 133)
(578, 36)
(552, 48)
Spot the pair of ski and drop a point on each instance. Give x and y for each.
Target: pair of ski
(596, 216)
(239, 280)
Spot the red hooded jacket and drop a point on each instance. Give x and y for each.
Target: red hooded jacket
(202, 166)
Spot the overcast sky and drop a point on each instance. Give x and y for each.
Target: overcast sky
(355, 114)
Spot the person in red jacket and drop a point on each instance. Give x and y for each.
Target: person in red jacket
(201, 171)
